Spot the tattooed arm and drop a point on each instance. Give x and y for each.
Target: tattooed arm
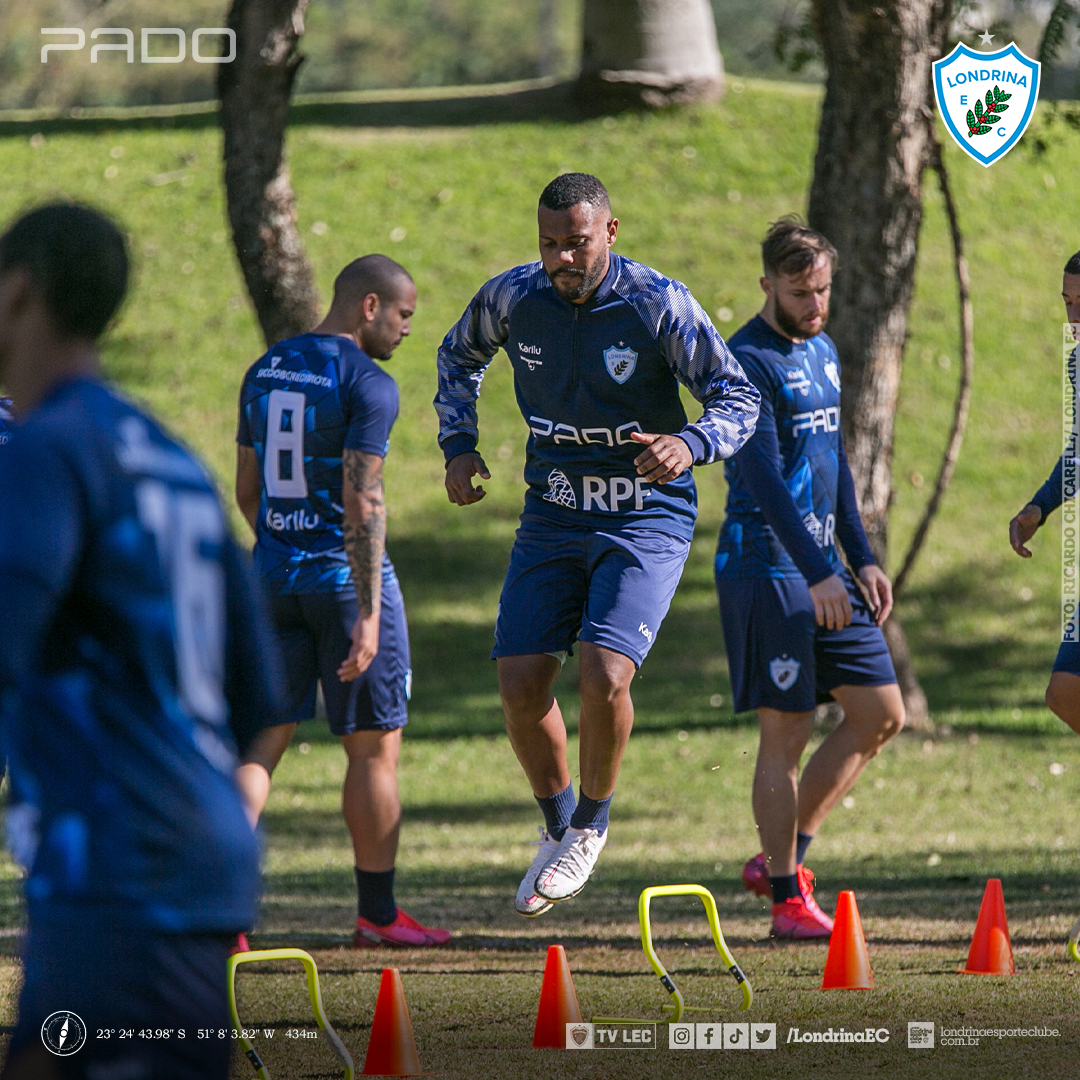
(365, 540)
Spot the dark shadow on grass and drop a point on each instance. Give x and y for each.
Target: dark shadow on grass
(905, 889)
(510, 103)
(961, 672)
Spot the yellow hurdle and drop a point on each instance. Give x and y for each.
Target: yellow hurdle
(674, 1009)
(1074, 938)
(312, 972)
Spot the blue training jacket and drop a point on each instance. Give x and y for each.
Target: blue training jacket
(587, 376)
(135, 652)
(790, 491)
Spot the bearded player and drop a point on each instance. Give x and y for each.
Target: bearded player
(796, 626)
(599, 345)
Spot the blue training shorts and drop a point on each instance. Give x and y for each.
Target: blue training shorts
(612, 588)
(314, 635)
(116, 976)
(778, 656)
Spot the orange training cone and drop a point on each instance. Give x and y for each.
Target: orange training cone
(847, 967)
(558, 1001)
(991, 953)
(392, 1047)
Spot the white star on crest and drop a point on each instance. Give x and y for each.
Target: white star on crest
(986, 37)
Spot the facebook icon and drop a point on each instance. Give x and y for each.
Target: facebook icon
(708, 1036)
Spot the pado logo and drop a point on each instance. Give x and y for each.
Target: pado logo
(127, 44)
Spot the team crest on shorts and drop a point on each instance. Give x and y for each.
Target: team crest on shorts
(620, 362)
(784, 671)
(986, 99)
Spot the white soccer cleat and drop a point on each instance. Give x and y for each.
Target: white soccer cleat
(527, 903)
(569, 869)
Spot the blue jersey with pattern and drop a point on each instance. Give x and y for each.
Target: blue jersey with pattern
(6, 421)
(589, 375)
(134, 646)
(789, 528)
(301, 405)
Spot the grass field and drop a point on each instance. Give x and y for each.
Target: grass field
(931, 820)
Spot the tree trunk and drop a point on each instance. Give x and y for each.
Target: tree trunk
(255, 90)
(874, 141)
(547, 56)
(967, 374)
(648, 52)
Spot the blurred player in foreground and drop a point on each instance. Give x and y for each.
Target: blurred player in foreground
(315, 419)
(599, 345)
(133, 639)
(1063, 692)
(796, 626)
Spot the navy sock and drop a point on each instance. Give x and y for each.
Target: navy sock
(784, 887)
(591, 813)
(375, 896)
(557, 810)
(802, 842)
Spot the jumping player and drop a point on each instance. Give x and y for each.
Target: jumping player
(1063, 692)
(796, 626)
(599, 345)
(133, 639)
(315, 419)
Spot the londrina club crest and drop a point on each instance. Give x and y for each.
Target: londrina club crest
(784, 671)
(986, 99)
(620, 362)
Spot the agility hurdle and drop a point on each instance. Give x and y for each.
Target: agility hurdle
(673, 1010)
(312, 972)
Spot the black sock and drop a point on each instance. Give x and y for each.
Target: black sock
(557, 810)
(591, 813)
(375, 896)
(802, 842)
(784, 887)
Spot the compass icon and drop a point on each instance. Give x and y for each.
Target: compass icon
(63, 1033)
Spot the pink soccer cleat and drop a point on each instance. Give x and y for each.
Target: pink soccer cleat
(800, 918)
(404, 932)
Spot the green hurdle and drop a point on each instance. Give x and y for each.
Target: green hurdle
(1073, 946)
(674, 1009)
(312, 972)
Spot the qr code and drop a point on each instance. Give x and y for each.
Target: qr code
(920, 1036)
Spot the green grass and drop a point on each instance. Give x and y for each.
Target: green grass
(694, 191)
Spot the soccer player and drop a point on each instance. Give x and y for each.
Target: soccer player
(315, 419)
(599, 345)
(132, 642)
(796, 626)
(1063, 692)
(5, 421)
